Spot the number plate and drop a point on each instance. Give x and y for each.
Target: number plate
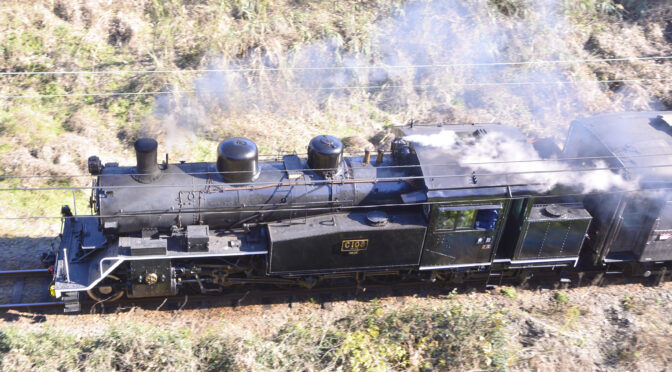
(354, 246)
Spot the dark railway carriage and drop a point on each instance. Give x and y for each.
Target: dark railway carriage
(632, 229)
(417, 210)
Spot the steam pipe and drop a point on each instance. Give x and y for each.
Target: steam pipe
(381, 152)
(367, 156)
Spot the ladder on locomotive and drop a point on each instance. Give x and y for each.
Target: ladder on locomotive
(493, 274)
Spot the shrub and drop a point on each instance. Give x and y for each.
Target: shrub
(561, 298)
(509, 292)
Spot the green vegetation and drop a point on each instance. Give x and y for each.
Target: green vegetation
(571, 316)
(39, 204)
(628, 303)
(509, 292)
(165, 35)
(417, 338)
(561, 298)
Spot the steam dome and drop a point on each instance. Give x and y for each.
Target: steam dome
(325, 155)
(238, 160)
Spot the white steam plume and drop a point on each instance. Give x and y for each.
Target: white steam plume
(431, 61)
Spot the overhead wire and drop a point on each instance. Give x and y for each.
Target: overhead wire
(14, 73)
(270, 170)
(323, 68)
(382, 86)
(344, 207)
(261, 185)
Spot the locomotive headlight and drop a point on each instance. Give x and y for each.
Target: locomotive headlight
(151, 278)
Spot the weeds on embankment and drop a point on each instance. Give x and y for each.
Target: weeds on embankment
(418, 338)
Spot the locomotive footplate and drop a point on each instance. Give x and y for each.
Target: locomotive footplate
(81, 270)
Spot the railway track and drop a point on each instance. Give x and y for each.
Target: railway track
(239, 297)
(322, 296)
(256, 296)
(19, 279)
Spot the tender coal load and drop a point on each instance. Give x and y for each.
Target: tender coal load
(325, 155)
(146, 170)
(238, 160)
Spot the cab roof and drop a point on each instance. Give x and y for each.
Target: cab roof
(445, 177)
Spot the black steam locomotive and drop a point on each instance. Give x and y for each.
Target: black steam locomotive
(418, 210)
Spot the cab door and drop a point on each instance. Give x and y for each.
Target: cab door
(463, 235)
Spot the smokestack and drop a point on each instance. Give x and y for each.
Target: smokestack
(146, 170)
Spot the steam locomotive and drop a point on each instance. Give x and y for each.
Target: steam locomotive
(417, 210)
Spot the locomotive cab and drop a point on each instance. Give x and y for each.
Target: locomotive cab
(461, 235)
(481, 217)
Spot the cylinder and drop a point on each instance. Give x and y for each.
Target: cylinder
(146, 169)
(238, 160)
(325, 155)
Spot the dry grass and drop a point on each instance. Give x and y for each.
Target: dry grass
(371, 339)
(594, 329)
(282, 109)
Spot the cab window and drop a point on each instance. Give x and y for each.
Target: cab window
(467, 219)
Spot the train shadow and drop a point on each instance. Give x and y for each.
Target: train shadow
(23, 252)
(11, 317)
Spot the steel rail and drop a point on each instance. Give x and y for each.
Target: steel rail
(252, 294)
(32, 305)
(24, 273)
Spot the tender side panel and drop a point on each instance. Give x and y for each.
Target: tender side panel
(346, 242)
(659, 243)
(546, 236)
(632, 226)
